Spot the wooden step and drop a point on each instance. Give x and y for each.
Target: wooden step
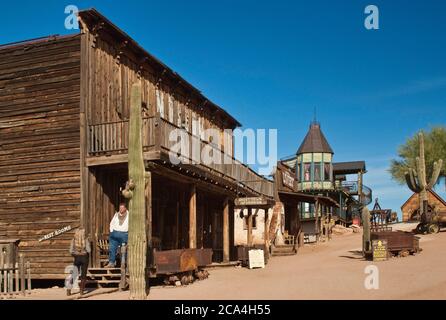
(103, 281)
(104, 271)
(278, 254)
(283, 250)
(284, 246)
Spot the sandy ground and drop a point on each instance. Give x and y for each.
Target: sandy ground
(333, 270)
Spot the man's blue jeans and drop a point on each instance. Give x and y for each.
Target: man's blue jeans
(117, 238)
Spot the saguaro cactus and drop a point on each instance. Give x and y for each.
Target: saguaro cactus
(416, 179)
(134, 191)
(365, 216)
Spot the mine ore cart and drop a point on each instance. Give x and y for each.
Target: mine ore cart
(180, 266)
(399, 243)
(432, 221)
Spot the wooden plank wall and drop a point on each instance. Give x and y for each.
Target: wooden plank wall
(114, 69)
(39, 149)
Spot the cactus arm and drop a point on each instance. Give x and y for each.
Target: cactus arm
(411, 181)
(436, 173)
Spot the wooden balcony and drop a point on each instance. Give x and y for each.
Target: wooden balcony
(110, 141)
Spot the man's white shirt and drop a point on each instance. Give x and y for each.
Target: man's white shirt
(114, 224)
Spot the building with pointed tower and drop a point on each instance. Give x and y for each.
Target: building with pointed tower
(317, 174)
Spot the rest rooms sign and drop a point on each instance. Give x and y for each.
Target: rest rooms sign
(55, 233)
(379, 249)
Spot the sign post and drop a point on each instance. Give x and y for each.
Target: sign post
(379, 249)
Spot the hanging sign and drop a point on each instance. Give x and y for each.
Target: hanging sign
(287, 179)
(251, 201)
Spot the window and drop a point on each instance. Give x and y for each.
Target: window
(317, 171)
(298, 173)
(170, 102)
(327, 172)
(160, 102)
(254, 222)
(195, 124)
(179, 120)
(307, 171)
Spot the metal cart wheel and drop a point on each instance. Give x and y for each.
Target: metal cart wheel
(434, 228)
(422, 228)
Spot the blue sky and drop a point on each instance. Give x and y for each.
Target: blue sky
(269, 63)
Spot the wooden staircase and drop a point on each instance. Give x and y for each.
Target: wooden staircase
(283, 250)
(105, 277)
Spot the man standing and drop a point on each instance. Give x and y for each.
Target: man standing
(119, 233)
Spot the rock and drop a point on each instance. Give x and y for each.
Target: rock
(340, 230)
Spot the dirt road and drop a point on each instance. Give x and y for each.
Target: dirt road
(334, 270)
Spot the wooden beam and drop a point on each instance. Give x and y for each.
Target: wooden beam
(171, 173)
(193, 217)
(226, 230)
(84, 200)
(316, 215)
(266, 234)
(118, 158)
(249, 227)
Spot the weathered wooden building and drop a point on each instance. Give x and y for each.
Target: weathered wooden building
(318, 175)
(411, 208)
(278, 226)
(64, 108)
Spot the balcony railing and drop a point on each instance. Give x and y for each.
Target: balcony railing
(112, 138)
(351, 187)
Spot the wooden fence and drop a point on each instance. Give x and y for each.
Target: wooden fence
(16, 279)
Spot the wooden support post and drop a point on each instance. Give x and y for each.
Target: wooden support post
(226, 230)
(10, 281)
(316, 214)
(360, 179)
(28, 274)
(22, 273)
(266, 235)
(214, 225)
(84, 173)
(2, 266)
(193, 218)
(17, 282)
(249, 227)
(177, 225)
(5, 274)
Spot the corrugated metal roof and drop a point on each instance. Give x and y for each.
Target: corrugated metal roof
(315, 141)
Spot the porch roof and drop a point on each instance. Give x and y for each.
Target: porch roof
(304, 197)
